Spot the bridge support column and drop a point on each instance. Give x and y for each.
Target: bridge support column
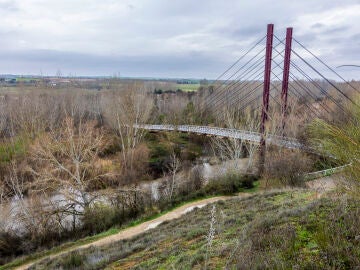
(266, 95)
(285, 82)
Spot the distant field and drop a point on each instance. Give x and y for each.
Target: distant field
(188, 87)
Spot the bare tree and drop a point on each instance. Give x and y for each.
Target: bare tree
(66, 159)
(232, 148)
(173, 168)
(125, 110)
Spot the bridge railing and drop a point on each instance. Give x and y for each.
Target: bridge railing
(226, 132)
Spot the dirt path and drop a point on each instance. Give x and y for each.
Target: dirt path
(324, 184)
(320, 185)
(138, 229)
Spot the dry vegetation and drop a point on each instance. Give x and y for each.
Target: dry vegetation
(72, 163)
(276, 230)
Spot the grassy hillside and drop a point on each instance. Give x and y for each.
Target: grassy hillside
(277, 230)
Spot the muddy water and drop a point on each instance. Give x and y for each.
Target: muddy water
(9, 212)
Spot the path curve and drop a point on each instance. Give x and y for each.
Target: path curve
(138, 229)
(326, 184)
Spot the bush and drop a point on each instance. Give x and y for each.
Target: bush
(99, 218)
(9, 245)
(74, 261)
(230, 184)
(341, 141)
(288, 167)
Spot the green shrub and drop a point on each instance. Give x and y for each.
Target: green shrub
(10, 245)
(73, 261)
(342, 142)
(230, 184)
(99, 218)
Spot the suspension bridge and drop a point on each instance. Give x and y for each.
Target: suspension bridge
(275, 79)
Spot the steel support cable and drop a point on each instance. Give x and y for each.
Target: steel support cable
(223, 99)
(314, 83)
(304, 87)
(237, 82)
(315, 114)
(255, 75)
(257, 83)
(297, 97)
(321, 75)
(312, 110)
(226, 86)
(221, 113)
(253, 78)
(249, 103)
(333, 85)
(221, 91)
(308, 91)
(262, 58)
(252, 91)
(247, 99)
(296, 113)
(276, 90)
(322, 62)
(323, 91)
(239, 59)
(308, 106)
(246, 82)
(249, 94)
(294, 88)
(277, 76)
(242, 98)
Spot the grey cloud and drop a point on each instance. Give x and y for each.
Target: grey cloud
(164, 38)
(8, 6)
(335, 30)
(85, 64)
(317, 25)
(248, 31)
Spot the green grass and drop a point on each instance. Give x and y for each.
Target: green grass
(13, 148)
(188, 87)
(276, 230)
(90, 239)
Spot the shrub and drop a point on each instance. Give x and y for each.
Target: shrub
(74, 261)
(287, 167)
(230, 184)
(9, 245)
(341, 141)
(99, 217)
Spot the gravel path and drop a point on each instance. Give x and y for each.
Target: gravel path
(143, 227)
(320, 185)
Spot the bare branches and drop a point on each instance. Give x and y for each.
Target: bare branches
(124, 110)
(68, 155)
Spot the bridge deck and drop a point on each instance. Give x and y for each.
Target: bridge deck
(250, 136)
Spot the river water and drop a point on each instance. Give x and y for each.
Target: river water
(10, 212)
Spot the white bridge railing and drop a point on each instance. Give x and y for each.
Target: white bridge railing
(227, 132)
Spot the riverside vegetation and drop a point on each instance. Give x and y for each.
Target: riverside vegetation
(73, 165)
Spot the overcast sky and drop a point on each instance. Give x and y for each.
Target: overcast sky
(166, 38)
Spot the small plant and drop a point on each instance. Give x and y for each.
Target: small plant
(210, 236)
(99, 217)
(341, 141)
(230, 184)
(75, 260)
